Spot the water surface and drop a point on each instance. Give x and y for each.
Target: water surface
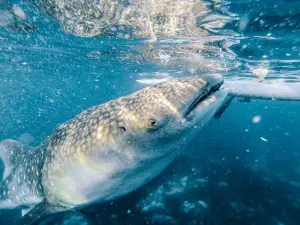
(237, 171)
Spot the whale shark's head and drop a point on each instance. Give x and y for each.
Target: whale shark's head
(146, 119)
(117, 146)
(169, 109)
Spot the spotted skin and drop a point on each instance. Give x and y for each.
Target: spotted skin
(7, 153)
(112, 149)
(23, 186)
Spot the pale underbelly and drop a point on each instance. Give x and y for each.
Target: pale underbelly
(127, 181)
(80, 187)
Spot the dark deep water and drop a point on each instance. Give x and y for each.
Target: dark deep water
(235, 172)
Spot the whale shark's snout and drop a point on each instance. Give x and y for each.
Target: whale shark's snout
(179, 97)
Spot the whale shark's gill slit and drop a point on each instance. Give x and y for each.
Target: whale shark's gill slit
(207, 92)
(195, 103)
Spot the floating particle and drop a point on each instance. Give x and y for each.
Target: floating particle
(223, 184)
(188, 206)
(152, 39)
(256, 119)
(287, 54)
(95, 55)
(247, 150)
(114, 217)
(51, 100)
(19, 12)
(260, 72)
(244, 21)
(263, 139)
(264, 56)
(262, 22)
(203, 204)
(42, 39)
(246, 130)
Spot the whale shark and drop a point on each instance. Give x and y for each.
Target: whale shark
(114, 148)
(108, 150)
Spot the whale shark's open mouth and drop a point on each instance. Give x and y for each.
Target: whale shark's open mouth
(205, 94)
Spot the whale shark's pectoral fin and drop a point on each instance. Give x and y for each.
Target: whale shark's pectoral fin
(40, 211)
(12, 153)
(223, 108)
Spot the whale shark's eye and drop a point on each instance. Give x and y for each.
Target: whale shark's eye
(151, 122)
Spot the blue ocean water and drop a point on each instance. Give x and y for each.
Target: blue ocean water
(235, 172)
